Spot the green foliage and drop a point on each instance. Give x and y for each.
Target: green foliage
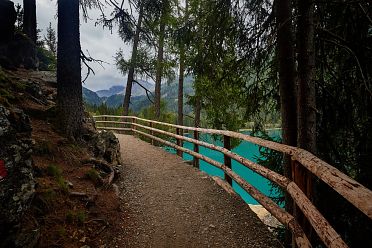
(43, 147)
(94, 176)
(77, 217)
(54, 170)
(50, 40)
(19, 20)
(273, 160)
(47, 60)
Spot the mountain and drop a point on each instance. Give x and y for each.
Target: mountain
(91, 97)
(119, 89)
(169, 95)
(139, 99)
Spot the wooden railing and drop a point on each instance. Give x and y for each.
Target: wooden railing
(350, 189)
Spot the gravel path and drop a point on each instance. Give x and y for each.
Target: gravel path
(168, 203)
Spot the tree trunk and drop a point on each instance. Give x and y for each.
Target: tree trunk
(180, 85)
(181, 74)
(159, 66)
(287, 86)
(69, 88)
(306, 107)
(197, 110)
(128, 90)
(29, 19)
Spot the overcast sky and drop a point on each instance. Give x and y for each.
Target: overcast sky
(101, 44)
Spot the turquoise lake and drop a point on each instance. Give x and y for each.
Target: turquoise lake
(244, 149)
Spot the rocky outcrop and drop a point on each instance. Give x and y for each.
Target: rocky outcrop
(104, 145)
(17, 185)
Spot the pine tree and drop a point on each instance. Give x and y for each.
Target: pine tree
(69, 88)
(50, 40)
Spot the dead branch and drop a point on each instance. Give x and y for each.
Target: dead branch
(89, 59)
(147, 91)
(78, 194)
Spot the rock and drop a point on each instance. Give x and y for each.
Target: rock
(104, 145)
(22, 52)
(18, 187)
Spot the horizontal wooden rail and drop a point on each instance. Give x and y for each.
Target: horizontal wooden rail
(320, 224)
(351, 190)
(284, 217)
(115, 128)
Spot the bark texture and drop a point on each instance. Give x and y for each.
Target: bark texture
(306, 137)
(181, 74)
(180, 85)
(287, 87)
(306, 69)
(69, 88)
(128, 90)
(159, 67)
(29, 19)
(287, 81)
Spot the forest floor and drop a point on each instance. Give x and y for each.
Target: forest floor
(167, 203)
(57, 217)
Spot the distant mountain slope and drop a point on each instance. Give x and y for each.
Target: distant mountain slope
(139, 99)
(91, 97)
(119, 89)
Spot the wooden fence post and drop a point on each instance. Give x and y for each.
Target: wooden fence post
(196, 149)
(179, 142)
(227, 159)
(133, 126)
(152, 133)
(104, 124)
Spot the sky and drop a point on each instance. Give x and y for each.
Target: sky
(101, 43)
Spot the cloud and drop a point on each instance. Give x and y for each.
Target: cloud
(101, 43)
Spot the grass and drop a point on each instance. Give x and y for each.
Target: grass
(77, 217)
(43, 148)
(56, 172)
(94, 176)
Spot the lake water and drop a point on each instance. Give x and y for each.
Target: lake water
(244, 149)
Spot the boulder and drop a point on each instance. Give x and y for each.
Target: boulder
(17, 186)
(104, 145)
(22, 52)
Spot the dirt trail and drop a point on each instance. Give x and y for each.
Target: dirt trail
(168, 203)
